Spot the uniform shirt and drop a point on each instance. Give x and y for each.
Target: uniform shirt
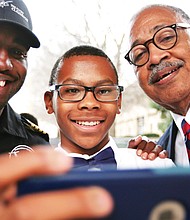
(16, 131)
(181, 157)
(126, 158)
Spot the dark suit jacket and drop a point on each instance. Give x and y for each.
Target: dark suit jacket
(167, 140)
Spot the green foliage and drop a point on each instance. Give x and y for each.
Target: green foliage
(165, 115)
(151, 135)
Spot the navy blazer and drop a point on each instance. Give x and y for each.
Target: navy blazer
(168, 139)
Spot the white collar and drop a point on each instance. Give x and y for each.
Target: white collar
(178, 119)
(85, 156)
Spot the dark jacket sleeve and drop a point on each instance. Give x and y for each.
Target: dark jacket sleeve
(167, 140)
(15, 131)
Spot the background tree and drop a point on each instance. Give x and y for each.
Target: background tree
(165, 116)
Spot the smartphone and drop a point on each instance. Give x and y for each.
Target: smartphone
(144, 194)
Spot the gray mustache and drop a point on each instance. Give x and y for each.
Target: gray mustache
(163, 65)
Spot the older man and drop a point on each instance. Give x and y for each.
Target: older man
(160, 48)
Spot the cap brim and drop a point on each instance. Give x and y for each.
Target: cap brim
(32, 40)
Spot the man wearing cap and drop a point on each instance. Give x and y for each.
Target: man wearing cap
(16, 38)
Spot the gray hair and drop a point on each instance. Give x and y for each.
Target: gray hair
(178, 12)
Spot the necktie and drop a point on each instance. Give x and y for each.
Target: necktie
(186, 130)
(102, 161)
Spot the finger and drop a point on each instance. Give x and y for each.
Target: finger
(8, 193)
(150, 146)
(140, 147)
(91, 202)
(134, 142)
(163, 154)
(42, 161)
(155, 152)
(144, 149)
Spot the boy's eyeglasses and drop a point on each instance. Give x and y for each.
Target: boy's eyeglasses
(76, 93)
(164, 39)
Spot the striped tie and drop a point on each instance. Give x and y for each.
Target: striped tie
(186, 130)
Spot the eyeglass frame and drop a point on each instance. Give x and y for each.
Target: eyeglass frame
(173, 26)
(53, 88)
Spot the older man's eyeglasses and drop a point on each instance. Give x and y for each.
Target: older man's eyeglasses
(75, 93)
(164, 39)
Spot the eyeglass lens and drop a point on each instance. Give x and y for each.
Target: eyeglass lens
(163, 39)
(77, 93)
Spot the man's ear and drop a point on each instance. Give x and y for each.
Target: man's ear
(119, 101)
(48, 99)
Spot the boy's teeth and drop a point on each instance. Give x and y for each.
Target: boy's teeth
(2, 83)
(88, 123)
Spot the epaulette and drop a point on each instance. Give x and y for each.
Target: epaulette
(33, 127)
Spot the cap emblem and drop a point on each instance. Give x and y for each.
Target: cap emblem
(13, 8)
(4, 3)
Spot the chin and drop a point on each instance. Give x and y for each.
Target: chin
(90, 148)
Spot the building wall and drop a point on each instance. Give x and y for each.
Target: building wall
(137, 116)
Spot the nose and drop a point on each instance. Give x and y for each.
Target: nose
(89, 102)
(5, 61)
(156, 55)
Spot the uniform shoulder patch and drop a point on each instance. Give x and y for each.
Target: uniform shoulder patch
(33, 127)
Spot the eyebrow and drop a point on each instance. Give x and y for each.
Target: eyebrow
(79, 82)
(157, 27)
(153, 30)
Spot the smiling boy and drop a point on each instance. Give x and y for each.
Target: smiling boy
(85, 98)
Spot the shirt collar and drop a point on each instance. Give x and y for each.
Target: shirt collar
(178, 119)
(85, 156)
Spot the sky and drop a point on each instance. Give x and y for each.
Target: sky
(48, 15)
(48, 18)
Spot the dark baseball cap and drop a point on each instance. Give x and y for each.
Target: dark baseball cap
(15, 12)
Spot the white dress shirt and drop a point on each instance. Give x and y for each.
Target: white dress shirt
(126, 158)
(181, 156)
